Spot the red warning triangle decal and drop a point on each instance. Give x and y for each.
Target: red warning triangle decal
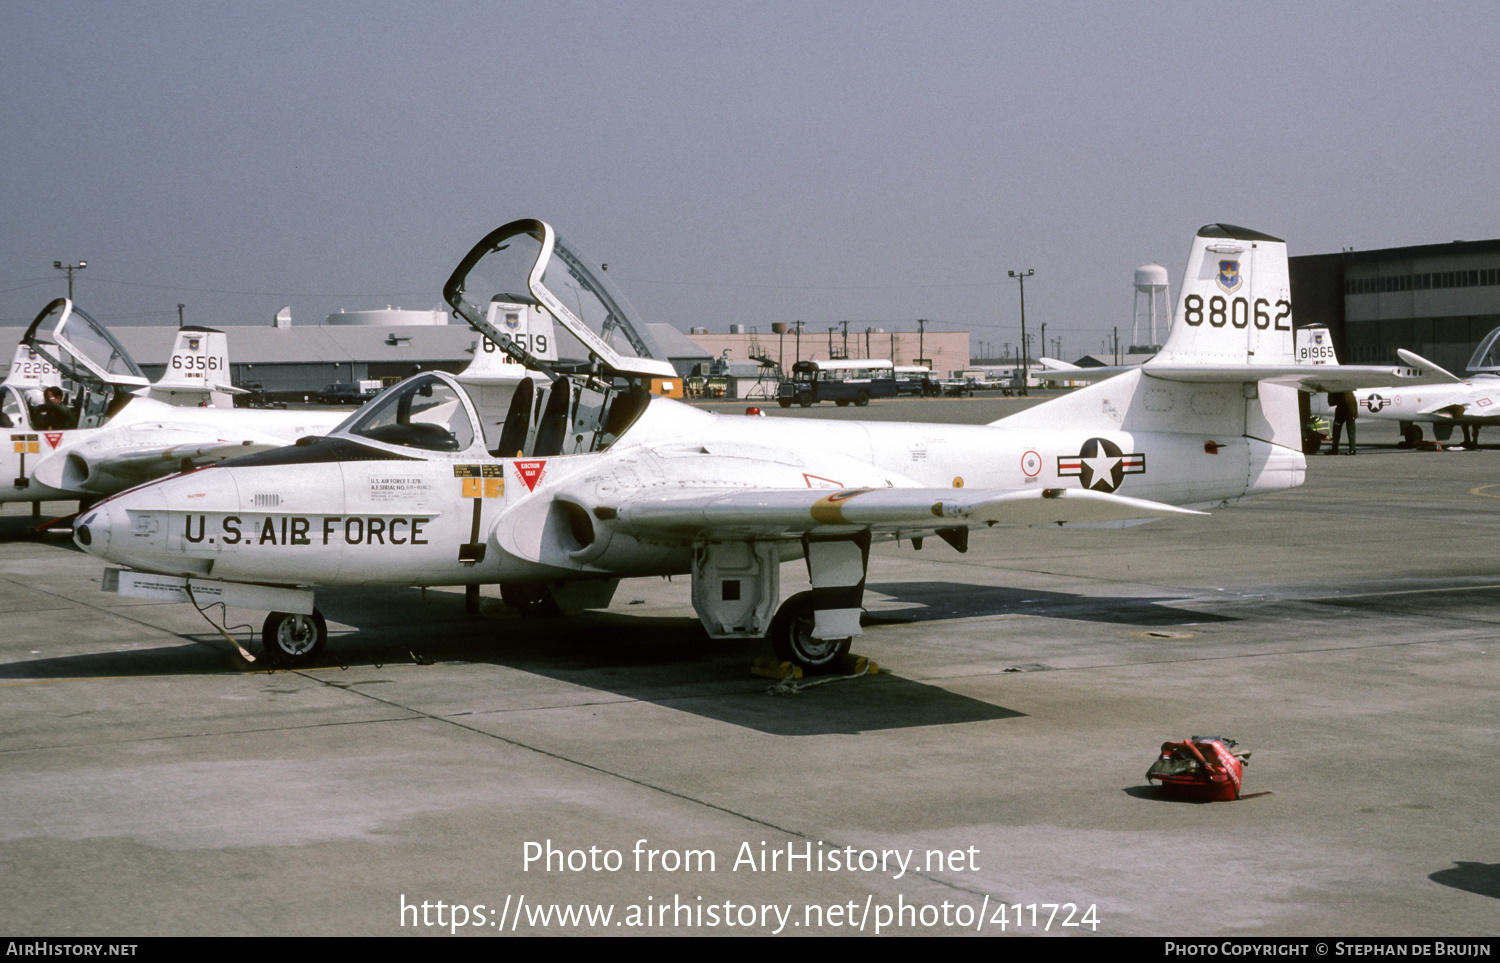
(53, 437)
(531, 472)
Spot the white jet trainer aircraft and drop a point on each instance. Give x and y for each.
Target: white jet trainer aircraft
(118, 432)
(558, 488)
(1434, 395)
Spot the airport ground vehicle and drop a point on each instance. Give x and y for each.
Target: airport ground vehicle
(841, 381)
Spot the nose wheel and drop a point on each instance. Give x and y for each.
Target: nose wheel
(792, 640)
(291, 639)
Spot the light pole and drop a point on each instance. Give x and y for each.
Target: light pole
(70, 268)
(1022, 276)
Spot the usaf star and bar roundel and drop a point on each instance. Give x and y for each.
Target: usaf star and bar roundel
(1100, 465)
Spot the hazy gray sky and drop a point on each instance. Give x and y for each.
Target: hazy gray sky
(732, 162)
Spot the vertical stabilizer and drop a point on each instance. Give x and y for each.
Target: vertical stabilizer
(1235, 306)
(198, 371)
(528, 325)
(31, 371)
(1315, 345)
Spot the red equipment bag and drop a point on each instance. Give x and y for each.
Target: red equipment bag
(1202, 768)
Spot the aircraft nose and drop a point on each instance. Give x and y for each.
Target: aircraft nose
(94, 530)
(123, 524)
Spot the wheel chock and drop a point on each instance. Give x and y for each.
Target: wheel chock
(852, 664)
(769, 668)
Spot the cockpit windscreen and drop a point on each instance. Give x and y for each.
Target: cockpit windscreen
(425, 413)
(1486, 357)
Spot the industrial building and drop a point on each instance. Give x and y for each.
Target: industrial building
(1438, 300)
(942, 351)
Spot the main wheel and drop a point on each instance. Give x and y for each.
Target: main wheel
(294, 639)
(531, 599)
(862, 399)
(792, 641)
(1411, 434)
(805, 399)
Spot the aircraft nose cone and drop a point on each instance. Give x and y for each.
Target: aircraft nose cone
(93, 531)
(122, 528)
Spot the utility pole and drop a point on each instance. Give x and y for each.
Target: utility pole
(799, 340)
(70, 268)
(846, 337)
(180, 306)
(921, 342)
(1022, 276)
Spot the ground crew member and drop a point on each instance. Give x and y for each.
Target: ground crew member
(1344, 413)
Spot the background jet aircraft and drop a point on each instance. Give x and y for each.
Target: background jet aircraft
(586, 478)
(1437, 397)
(121, 438)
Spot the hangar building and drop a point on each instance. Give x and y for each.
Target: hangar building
(1438, 300)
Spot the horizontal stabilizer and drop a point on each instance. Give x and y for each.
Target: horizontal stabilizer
(1304, 377)
(1315, 378)
(789, 512)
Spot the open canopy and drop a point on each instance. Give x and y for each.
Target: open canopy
(525, 262)
(82, 348)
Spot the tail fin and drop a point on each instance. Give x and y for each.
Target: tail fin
(1205, 400)
(1235, 306)
(1315, 345)
(198, 370)
(30, 370)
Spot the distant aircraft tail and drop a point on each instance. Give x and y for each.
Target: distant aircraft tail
(1315, 345)
(29, 370)
(198, 370)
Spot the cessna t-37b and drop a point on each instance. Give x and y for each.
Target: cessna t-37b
(114, 428)
(1435, 396)
(560, 486)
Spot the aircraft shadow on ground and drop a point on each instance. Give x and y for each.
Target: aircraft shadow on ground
(20, 528)
(1469, 602)
(1480, 878)
(667, 661)
(957, 600)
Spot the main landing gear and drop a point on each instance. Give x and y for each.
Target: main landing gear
(532, 600)
(792, 640)
(293, 640)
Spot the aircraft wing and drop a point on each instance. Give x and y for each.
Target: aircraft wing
(1470, 412)
(793, 512)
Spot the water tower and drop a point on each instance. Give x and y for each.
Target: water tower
(1151, 302)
